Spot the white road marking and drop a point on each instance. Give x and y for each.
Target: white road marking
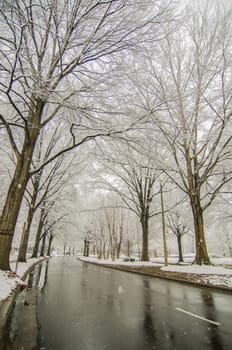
(197, 316)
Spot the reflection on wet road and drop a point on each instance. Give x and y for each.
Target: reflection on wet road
(21, 331)
(70, 305)
(87, 307)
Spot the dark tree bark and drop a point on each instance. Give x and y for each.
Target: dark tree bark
(180, 251)
(128, 248)
(119, 245)
(17, 187)
(51, 237)
(30, 214)
(145, 229)
(43, 244)
(201, 253)
(38, 234)
(86, 248)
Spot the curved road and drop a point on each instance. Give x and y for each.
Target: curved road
(87, 307)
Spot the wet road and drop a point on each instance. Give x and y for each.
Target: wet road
(87, 307)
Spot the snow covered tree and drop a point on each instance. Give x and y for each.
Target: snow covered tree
(52, 52)
(190, 80)
(134, 178)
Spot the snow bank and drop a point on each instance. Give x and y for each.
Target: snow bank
(216, 280)
(210, 275)
(197, 269)
(9, 281)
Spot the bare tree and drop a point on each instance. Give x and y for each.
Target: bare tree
(48, 233)
(114, 222)
(38, 188)
(51, 53)
(134, 178)
(100, 235)
(89, 239)
(179, 229)
(191, 82)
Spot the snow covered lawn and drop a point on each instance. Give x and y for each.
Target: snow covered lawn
(9, 281)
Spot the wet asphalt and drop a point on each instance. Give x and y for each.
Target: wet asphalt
(78, 306)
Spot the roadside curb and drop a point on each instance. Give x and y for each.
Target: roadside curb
(162, 276)
(7, 304)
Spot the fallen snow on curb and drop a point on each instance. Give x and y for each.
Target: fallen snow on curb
(212, 275)
(216, 280)
(9, 281)
(197, 269)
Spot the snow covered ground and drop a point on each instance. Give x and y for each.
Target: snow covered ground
(189, 259)
(9, 281)
(213, 275)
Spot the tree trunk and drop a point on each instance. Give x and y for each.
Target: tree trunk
(99, 248)
(87, 249)
(145, 252)
(128, 248)
(17, 188)
(201, 255)
(23, 248)
(38, 234)
(179, 242)
(50, 245)
(104, 250)
(11, 210)
(119, 245)
(43, 245)
(30, 214)
(84, 252)
(139, 245)
(118, 250)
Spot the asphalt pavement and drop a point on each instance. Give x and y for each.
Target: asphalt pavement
(86, 307)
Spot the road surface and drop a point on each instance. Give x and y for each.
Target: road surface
(86, 307)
